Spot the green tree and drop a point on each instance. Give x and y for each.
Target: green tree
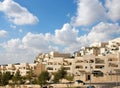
(56, 77)
(0, 78)
(30, 75)
(17, 77)
(4, 78)
(60, 74)
(70, 79)
(43, 78)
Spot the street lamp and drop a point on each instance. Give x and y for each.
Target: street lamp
(90, 71)
(117, 80)
(90, 74)
(118, 71)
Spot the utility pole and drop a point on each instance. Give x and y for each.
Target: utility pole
(117, 79)
(90, 74)
(118, 72)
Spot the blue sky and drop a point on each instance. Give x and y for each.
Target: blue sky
(29, 27)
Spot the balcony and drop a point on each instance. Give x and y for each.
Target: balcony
(97, 73)
(50, 63)
(66, 63)
(67, 68)
(79, 61)
(79, 67)
(49, 68)
(112, 59)
(99, 66)
(113, 65)
(99, 61)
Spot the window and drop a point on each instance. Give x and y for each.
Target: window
(49, 68)
(97, 73)
(85, 67)
(79, 66)
(99, 66)
(67, 68)
(99, 61)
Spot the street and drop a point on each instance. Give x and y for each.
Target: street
(105, 84)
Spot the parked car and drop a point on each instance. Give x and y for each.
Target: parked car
(79, 81)
(51, 82)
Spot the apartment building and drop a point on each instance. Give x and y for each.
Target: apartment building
(44, 57)
(38, 69)
(103, 63)
(24, 68)
(93, 67)
(53, 65)
(99, 60)
(87, 67)
(53, 61)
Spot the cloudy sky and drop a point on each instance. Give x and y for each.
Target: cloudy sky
(29, 27)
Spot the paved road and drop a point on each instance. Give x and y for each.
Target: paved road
(106, 84)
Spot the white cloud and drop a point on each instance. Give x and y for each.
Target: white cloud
(36, 41)
(113, 9)
(88, 12)
(15, 50)
(99, 33)
(53, 48)
(66, 35)
(3, 33)
(17, 14)
(13, 53)
(39, 42)
(30, 45)
(103, 32)
(26, 49)
(65, 39)
(12, 43)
